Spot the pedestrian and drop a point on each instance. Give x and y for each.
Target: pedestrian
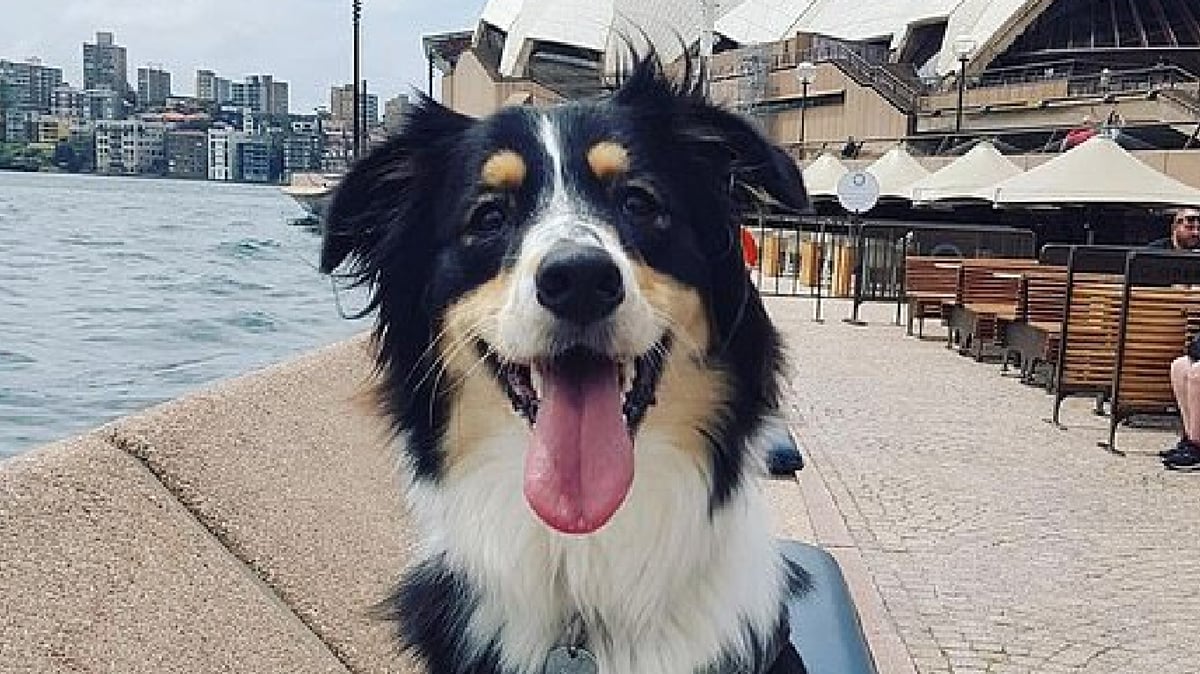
(1185, 370)
(1185, 232)
(1185, 382)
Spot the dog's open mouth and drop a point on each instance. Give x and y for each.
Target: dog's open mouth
(584, 409)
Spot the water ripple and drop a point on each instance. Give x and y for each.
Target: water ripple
(121, 293)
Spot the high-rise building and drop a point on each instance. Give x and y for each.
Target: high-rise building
(341, 105)
(69, 102)
(154, 87)
(19, 126)
(261, 94)
(221, 157)
(186, 154)
(253, 159)
(279, 103)
(101, 104)
(130, 147)
(394, 111)
(104, 65)
(213, 89)
(206, 85)
(29, 86)
(224, 91)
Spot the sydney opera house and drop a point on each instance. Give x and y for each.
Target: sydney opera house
(853, 78)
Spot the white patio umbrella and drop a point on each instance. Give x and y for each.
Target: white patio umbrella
(896, 172)
(1098, 171)
(821, 176)
(971, 177)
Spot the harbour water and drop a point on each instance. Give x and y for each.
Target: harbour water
(117, 293)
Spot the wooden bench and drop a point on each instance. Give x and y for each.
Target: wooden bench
(1033, 337)
(929, 282)
(1087, 343)
(1153, 332)
(988, 296)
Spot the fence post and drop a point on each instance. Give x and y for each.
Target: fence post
(860, 271)
(820, 271)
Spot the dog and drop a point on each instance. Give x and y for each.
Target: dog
(576, 362)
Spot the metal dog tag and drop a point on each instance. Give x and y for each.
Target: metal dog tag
(570, 660)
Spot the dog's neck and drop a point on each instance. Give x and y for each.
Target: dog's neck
(666, 587)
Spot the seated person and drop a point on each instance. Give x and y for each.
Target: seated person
(1185, 381)
(1185, 232)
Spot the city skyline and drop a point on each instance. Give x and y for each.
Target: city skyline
(304, 42)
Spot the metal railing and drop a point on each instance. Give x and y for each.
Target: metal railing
(824, 256)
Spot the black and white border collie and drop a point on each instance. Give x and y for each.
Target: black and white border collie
(577, 364)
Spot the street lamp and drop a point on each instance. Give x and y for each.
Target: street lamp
(357, 7)
(963, 46)
(805, 73)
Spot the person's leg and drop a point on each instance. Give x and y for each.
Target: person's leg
(1190, 410)
(1181, 368)
(1187, 455)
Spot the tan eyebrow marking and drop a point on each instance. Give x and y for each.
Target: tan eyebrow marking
(504, 170)
(608, 160)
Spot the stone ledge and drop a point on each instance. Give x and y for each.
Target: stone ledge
(103, 570)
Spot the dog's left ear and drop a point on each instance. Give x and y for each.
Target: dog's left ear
(756, 166)
(726, 143)
(384, 196)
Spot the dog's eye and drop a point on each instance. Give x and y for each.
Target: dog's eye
(641, 208)
(488, 217)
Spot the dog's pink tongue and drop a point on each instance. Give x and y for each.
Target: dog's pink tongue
(580, 463)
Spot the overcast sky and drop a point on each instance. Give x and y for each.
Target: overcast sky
(306, 43)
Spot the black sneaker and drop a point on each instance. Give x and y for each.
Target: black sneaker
(1184, 446)
(1188, 458)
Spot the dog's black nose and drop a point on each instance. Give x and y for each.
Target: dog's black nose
(581, 284)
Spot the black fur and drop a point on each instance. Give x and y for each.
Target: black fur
(433, 604)
(400, 219)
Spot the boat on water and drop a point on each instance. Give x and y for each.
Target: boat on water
(312, 191)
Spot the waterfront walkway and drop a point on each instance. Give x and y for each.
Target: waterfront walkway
(979, 537)
(251, 527)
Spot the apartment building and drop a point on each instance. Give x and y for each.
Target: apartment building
(130, 147)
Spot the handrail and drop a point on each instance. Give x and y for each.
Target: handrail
(895, 90)
(1165, 75)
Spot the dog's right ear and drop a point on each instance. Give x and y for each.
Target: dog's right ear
(378, 200)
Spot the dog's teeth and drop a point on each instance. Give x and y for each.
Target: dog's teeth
(535, 380)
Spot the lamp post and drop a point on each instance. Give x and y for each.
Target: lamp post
(805, 73)
(963, 46)
(357, 4)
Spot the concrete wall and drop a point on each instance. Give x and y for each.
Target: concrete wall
(473, 90)
(248, 528)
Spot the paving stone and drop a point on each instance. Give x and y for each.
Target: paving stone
(987, 529)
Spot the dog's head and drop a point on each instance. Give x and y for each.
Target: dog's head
(574, 261)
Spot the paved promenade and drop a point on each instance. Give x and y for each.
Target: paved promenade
(979, 537)
(263, 516)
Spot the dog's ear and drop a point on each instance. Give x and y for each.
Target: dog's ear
(727, 142)
(756, 167)
(379, 199)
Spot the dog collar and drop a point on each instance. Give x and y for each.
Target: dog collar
(573, 657)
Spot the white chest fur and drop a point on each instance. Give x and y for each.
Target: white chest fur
(663, 588)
